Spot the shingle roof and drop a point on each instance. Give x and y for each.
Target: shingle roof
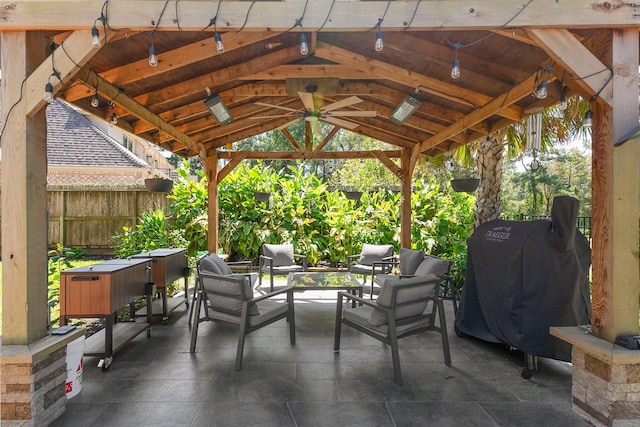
(72, 140)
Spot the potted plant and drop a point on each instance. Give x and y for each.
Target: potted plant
(158, 182)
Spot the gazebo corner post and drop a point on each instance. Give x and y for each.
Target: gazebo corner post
(211, 170)
(408, 160)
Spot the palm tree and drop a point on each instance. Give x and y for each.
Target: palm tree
(559, 126)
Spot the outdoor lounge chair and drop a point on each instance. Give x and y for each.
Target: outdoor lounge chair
(406, 306)
(371, 261)
(212, 263)
(230, 300)
(416, 263)
(279, 259)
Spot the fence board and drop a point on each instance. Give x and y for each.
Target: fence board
(88, 218)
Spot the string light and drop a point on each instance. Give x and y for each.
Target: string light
(455, 69)
(153, 58)
(113, 119)
(588, 118)
(48, 87)
(379, 42)
(95, 102)
(541, 90)
(563, 97)
(95, 33)
(304, 47)
(219, 45)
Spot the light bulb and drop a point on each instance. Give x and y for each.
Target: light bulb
(153, 59)
(304, 47)
(48, 93)
(95, 37)
(541, 91)
(95, 102)
(219, 45)
(455, 70)
(113, 119)
(535, 165)
(563, 102)
(588, 118)
(379, 43)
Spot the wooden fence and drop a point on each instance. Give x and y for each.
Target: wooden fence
(88, 218)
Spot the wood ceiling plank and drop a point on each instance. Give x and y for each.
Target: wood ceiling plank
(564, 48)
(213, 80)
(406, 77)
(173, 59)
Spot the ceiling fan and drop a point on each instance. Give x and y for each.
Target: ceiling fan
(330, 113)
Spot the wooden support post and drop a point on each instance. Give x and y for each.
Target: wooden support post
(212, 201)
(615, 196)
(24, 195)
(405, 213)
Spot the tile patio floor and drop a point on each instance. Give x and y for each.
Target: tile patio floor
(155, 381)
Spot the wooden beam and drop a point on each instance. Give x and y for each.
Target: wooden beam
(313, 71)
(513, 95)
(297, 155)
(74, 53)
(142, 15)
(386, 161)
(591, 75)
(116, 96)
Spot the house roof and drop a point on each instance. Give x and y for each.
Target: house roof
(73, 140)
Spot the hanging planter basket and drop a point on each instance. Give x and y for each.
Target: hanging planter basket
(158, 185)
(465, 185)
(262, 196)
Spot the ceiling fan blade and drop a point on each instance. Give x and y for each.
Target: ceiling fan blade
(279, 116)
(352, 113)
(307, 100)
(264, 104)
(342, 103)
(339, 122)
(286, 125)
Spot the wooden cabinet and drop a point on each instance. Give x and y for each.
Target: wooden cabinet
(99, 290)
(168, 265)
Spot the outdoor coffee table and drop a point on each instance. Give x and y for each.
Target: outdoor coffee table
(328, 281)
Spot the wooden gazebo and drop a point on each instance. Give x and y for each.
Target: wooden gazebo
(244, 58)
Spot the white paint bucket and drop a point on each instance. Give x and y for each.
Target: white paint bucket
(74, 359)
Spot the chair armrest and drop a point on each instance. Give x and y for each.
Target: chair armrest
(271, 294)
(343, 294)
(304, 260)
(350, 258)
(264, 260)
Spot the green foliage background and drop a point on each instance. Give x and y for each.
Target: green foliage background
(321, 223)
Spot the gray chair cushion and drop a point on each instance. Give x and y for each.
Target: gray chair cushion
(222, 266)
(433, 265)
(410, 260)
(282, 254)
(374, 253)
(206, 263)
(404, 297)
(227, 295)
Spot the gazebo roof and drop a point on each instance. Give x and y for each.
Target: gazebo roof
(504, 50)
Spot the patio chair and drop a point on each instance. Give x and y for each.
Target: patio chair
(406, 306)
(372, 260)
(278, 260)
(417, 263)
(230, 300)
(212, 263)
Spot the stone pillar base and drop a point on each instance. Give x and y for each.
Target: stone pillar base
(606, 379)
(33, 377)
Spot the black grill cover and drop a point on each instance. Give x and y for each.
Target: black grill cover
(523, 277)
